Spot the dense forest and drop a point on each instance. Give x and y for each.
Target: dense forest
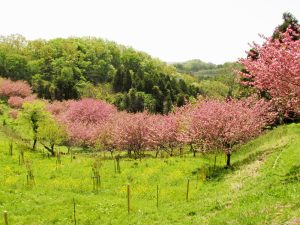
(72, 68)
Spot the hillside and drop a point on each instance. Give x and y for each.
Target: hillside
(214, 81)
(72, 68)
(203, 70)
(261, 188)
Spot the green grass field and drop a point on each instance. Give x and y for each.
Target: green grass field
(263, 187)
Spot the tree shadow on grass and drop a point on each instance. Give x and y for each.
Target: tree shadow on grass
(219, 172)
(293, 175)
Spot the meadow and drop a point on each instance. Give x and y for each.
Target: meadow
(261, 187)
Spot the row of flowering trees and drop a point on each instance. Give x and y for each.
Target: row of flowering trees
(205, 126)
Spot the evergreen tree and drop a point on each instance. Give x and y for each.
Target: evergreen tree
(158, 96)
(288, 21)
(127, 82)
(117, 83)
(167, 104)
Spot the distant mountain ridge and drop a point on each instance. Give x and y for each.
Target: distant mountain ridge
(200, 69)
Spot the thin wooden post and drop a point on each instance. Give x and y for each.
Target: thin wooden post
(115, 167)
(157, 196)
(10, 148)
(22, 156)
(94, 186)
(215, 162)
(118, 164)
(5, 218)
(99, 181)
(128, 198)
(74, 207)
(187, 190)
(58, 158)
(197, 180)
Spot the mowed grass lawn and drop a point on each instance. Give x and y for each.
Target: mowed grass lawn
(263, 187)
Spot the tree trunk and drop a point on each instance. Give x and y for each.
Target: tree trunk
(52, 150)
(193, 150)
(180, 151)
(156, 154)
(34, 144)
(215, 162)
(228, 160)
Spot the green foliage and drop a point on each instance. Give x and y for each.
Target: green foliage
(31, 116)
(135, 101)
(193, 66)
(167, 104)
(50, 133)
(216, 81)
(61, 69)
(214, 89)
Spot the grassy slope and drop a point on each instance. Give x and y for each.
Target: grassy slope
(262, 188)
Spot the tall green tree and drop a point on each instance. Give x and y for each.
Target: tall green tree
(32, 114)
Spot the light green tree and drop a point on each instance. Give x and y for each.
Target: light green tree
(32, 114)
(51, 133)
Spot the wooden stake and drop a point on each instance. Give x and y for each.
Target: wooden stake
(22, 156)
(5, 218)
(157, 196)
(118, 163)
(94, 186)
(115, 165)
(215, 162)
(187, 190)
(74, 207)
(197, 181)
(10, 148)
(128, 198)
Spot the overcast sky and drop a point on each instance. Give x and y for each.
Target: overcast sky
(173, 30)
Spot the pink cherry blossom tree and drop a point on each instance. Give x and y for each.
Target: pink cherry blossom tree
(221, 125)
(106, 138)
(162, 132)
(83, 118)
(17, 102)
(57, 108)
(276, 71)
(189, 133)
(9, 88)
(130, 132)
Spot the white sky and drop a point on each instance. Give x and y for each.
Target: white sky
(172, 30)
